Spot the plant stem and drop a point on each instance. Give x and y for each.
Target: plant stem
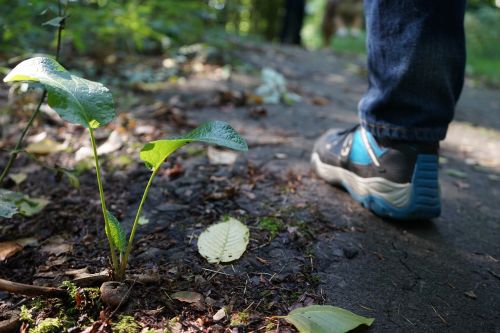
(19, 143)
(60, 28)
(15, 152)
(114, 259)
(136, 223)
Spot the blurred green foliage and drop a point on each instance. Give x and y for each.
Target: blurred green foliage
(482, 28)
(483, 43)
(99, 28)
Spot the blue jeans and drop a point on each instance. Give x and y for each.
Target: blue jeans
(416, 62)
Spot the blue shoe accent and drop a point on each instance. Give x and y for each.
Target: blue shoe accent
(425, 197)
(359, 154)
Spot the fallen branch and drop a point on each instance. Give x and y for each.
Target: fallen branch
(31, 290)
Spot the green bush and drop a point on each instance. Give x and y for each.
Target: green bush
(100, 27)
(483, 43)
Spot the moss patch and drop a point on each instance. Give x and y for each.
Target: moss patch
(126, 324)
(272, 225)
(240, 318)
(48, 325)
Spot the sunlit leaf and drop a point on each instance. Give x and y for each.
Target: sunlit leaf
(224, 242)
(213, 132)
(455, 173)
(76, 100)
(143, 220)
(116, 233)
(45, 147)
(19, 177)
(55, 22)
(325, 319)
(31, 206)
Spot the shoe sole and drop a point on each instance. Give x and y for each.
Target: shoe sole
(418, 200)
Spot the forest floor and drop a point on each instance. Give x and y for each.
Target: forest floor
(310, 243)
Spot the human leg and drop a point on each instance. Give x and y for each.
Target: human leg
(416, 63)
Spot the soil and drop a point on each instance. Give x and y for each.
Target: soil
(425, 276)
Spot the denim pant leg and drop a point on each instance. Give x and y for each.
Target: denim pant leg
(416, 62)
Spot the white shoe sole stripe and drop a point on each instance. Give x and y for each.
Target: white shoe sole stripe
(398, 195)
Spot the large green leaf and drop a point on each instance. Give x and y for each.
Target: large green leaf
(213, 132)
(116, 233)
(325, 319)
(76, 100)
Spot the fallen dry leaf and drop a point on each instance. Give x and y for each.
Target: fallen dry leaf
(471, 294)
(219, 314)
(221, 157)
(191, 297)
(319, 100)
(57, 245)
(46, 146)
(113, 143)
(9, 248)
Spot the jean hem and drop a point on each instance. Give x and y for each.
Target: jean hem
(389, 131)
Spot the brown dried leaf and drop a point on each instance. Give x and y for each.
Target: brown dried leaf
(9, 248)
(319, 100)
(57, 245)
(191, 297)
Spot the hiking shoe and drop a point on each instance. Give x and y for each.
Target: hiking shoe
(394, 179)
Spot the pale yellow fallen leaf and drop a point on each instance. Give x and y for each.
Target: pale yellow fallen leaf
(45, 147)
(221, 157)
(18, 178)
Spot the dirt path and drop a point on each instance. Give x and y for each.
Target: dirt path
(410, 277)
(439, 276)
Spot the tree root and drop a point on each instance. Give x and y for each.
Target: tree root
(31, 290)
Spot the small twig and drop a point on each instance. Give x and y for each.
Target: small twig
(439, 315)
(408, 320)
(249, 306)
(216, 272)
(31, 290)
(366, 308)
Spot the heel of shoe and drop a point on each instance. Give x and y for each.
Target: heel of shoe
(426, 197)
(425, 201)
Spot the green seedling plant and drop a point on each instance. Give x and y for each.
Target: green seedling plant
(91, 105)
